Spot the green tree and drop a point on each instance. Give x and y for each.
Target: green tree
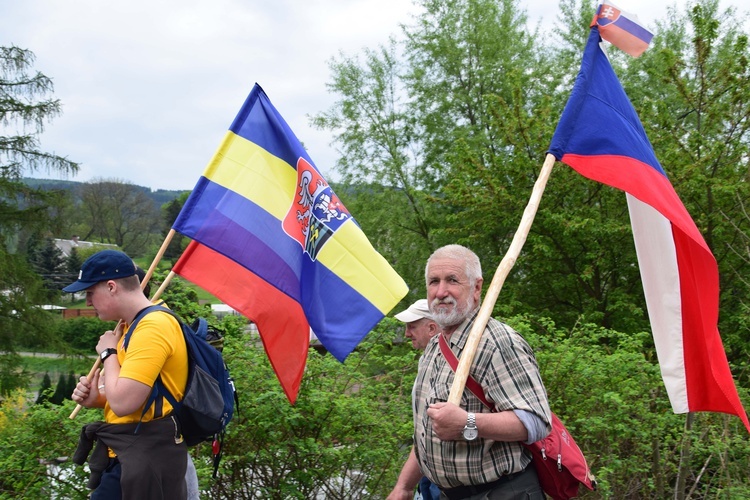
(48, 261)
(382, 171)
(73, 262)
(408, 114)
(44, 389)
(60, 391)
(70, 384)
(24, 109)
(120, 213)
(170, 211)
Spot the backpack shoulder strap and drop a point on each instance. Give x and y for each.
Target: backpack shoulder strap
(138, 317)
(159, 389)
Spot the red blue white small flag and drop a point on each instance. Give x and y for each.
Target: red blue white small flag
(621, 29)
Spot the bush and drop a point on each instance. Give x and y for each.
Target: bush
(606, 387)
(347, 435)
(82, 333)
(37, 441)
(350, 430)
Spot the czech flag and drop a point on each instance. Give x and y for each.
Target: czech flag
(601, 137)
(272, 240)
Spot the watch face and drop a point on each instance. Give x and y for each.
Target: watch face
(470, 433)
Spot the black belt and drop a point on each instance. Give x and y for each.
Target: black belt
(460, 492)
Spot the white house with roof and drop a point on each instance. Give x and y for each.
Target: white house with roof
(65, 246)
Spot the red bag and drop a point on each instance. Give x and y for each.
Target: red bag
(558, 460)
(560, 463)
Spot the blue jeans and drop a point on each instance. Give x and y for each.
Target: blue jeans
(428, 490)
(109, 487)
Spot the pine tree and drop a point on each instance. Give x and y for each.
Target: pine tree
(44, 389)
(60, 391)
(49, 263)
(25, 107)
(73, 263)
(72, 382)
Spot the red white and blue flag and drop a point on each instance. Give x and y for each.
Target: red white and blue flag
(272, 240)
(601, 137)
(621, 29)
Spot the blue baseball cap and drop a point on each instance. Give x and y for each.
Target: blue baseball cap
(102, 266)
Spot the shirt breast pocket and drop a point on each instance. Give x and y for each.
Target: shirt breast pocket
(438, 393)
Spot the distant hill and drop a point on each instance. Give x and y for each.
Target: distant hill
(160, 196)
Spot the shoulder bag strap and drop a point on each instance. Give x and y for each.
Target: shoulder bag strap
(471, 384)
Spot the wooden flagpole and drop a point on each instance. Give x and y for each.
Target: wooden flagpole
(164, 285)
(145, 281)
(485, 311)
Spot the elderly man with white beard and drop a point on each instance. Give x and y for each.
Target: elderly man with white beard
(467, 450)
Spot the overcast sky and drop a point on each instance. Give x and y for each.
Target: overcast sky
(149, 87)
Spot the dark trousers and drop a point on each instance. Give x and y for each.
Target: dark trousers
(109, 488)
(523, 485)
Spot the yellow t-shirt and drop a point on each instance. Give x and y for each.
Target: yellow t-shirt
(157, 346)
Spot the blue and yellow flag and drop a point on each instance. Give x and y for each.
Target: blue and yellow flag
(272, 240)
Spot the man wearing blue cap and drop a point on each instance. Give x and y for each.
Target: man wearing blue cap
(145, 455)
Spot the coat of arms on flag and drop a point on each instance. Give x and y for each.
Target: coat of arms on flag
(316, 212)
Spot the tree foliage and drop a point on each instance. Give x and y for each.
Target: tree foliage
(442, 132)
(119, 213)
(49, 262)
(25, 107)
(453, 120)
(478, 100)
(340, 440)
(170, 211)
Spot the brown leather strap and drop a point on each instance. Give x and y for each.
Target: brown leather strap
(471, 383)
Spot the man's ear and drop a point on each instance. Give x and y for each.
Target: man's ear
(478, 291)
(433, 328)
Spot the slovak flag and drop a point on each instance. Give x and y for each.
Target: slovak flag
(621, 29)
(601, 137)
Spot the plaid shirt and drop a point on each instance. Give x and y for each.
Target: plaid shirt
(505, 367)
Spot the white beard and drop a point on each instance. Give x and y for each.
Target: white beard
(454, 316)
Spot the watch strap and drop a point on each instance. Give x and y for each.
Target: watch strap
(109, 351)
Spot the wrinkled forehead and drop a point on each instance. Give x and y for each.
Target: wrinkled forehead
(441, 268)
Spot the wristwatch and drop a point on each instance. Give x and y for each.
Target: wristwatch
(470, 431)
(109, 351)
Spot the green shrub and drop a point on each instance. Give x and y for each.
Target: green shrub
(37, 441)
(82, 333)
